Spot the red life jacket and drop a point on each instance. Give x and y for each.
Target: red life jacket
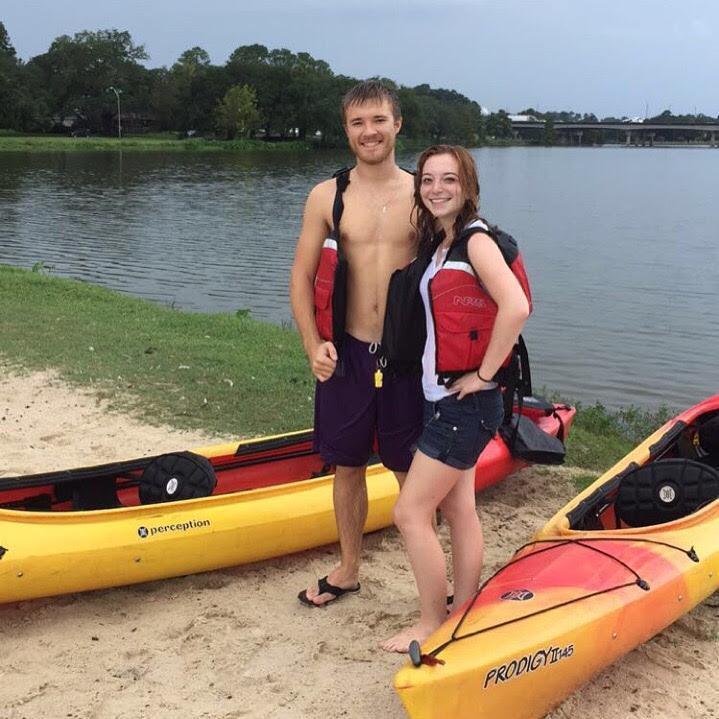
(330, 289)
(463, 311)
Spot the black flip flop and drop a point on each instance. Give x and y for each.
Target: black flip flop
(324, 587)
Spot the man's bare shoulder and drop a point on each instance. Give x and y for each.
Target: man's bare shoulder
(407, 177)
(323, 190)
(319, 201)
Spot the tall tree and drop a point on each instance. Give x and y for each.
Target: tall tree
(77, 72)
(163, 99)
(295, 92)
(9, 80)
(444, 116)
(499, 125)
(198, 86)
(236, 113)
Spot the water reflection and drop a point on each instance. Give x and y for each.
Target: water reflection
(620, 244)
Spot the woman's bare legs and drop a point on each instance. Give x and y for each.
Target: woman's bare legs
(428, 483)
(465, 531)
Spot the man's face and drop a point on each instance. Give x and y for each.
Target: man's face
(371, 130)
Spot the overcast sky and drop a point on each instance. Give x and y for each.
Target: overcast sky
(614, 57)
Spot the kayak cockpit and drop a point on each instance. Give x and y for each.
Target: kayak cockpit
(680, 477)
(232, 468)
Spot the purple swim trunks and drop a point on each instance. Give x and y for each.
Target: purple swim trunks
(350, 412)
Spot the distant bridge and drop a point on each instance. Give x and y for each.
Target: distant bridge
(631, 133)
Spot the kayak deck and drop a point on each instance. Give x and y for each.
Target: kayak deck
(237, 467)
(88, 528)
(590, 587)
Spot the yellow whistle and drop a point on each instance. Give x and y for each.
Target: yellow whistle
(378, 379)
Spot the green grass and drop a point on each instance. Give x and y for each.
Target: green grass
(224, 373)
(600, 437)
(144, 143)
(582, 481)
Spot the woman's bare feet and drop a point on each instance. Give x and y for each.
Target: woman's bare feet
(400, 642)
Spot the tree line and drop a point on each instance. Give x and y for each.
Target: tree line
(665, 117)
(260, 92)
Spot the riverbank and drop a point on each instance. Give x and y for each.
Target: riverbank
(235, 642)
(170, 142)
(226, 374)
(143, 143)
(222, 373)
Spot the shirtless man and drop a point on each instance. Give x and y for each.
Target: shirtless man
(377, 238)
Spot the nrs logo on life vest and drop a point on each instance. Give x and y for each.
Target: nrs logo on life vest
(467, 301)
(518, 595)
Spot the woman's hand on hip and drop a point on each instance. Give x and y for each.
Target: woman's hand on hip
(467, 384)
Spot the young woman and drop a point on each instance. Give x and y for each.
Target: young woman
(462, 414)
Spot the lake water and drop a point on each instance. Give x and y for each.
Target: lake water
(622, 246)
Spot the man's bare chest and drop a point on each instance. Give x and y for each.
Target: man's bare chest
(380, 227)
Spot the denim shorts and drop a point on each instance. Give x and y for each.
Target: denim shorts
(456, 431)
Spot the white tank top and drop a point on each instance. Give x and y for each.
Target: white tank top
(433, 392)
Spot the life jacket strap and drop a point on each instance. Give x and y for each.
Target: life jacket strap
(342, 178)
(516, 377)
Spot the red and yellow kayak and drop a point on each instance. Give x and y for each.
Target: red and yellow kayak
(619, 563)
(110, 525)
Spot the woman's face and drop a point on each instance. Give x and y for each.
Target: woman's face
(439, 187)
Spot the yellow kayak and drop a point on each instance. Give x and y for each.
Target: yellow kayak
(187, 512)
(624, 559)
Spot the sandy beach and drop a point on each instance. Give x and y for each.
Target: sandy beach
(237, 643)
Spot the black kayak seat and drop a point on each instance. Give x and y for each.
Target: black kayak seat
(665, 490)
(176, 476)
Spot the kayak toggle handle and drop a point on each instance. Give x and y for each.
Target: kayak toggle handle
(417, 658)
(642, 584)
(693, 555)
(2, 552)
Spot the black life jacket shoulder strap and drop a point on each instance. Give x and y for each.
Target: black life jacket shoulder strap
(507, 244)
(516, 378)
(459, 249)
(342, 178)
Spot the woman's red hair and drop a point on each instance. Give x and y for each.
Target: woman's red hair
(469, 182)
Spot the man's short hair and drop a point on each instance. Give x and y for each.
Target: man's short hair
(370, 91)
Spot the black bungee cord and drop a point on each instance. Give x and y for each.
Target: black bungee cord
(431, 659)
